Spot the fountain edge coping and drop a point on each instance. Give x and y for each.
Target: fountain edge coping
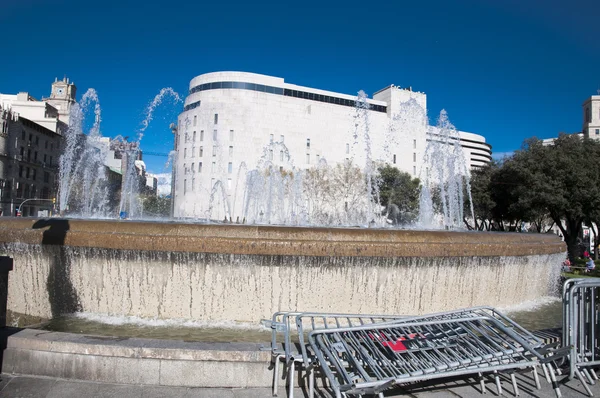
(274, 240)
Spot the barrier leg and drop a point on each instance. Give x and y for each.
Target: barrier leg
(513, 379)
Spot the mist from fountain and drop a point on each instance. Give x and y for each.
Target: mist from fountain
(278, 193)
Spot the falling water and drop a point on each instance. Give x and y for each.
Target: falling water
(446, 179)
(363, 130)
(130, 202)
(82, 177)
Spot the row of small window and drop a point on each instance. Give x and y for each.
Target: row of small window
(26, 172)
(193, 186)
(215, 136)
(191, 106)
(35, 141)
(201, 151)
(279, 91)
(237, 85)
(35, 156)
(192, 169)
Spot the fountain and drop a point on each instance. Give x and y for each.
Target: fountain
(84, 189)
(226, 273)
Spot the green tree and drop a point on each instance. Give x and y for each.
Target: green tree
(483, 205)
(561, 179)
(399, 194)
(156, 206)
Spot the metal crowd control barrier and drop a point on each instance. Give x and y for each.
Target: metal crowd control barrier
(581, 298)
(282, 322)
(371, 358)
(282, 326)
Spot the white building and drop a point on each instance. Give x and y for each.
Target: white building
(234, 121)
(51, 113)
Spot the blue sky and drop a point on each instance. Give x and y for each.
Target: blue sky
(507, 69)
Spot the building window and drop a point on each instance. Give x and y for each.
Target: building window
(214, 135)
(201, 151)
(201, 135)
(270, 154)
(230, 150)
(184, 153)
(212, 183)
(308, 158)
(308, 143)
(50, 161)
(27, 173)
(597, 131)
(46, 177)
(230, 135)
(587, 115)
(23, 135)
(184, 169)
(35, 156)
(193, 151)
(347, 148)
(281, 156)
(184, 186)
(199, 167)
(414, 170)
(213, 167)
(46, 144)
(214, 150)
(21, 171)
(271, 138)
(34, 174)
(394, 159)
(229, 167)
(193, 184)
(216, 118)
(229, 183)
(194, 139)
(414, 156)
(44, 158)
(195, 117)
(414, 144)
(193, 169)
(281, 139)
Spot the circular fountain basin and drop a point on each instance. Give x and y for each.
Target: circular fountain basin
(237, 274)
(241, 273)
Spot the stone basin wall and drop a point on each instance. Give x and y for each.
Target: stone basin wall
(245, 273)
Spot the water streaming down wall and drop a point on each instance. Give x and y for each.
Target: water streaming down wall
(218, 283)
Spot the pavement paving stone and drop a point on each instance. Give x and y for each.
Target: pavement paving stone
(39, 387)
(118, 391)
(161, 392)
(70, 389)
(27, 387)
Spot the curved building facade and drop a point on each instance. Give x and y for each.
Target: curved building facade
(234, 122)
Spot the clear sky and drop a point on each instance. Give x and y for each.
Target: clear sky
(505, 69)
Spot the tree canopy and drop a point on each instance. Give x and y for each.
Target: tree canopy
(399, 194)
(540, 182)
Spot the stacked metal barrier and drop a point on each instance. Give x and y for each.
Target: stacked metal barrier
(284, 349)
(581, 299)
(369, 359)
(328, 324)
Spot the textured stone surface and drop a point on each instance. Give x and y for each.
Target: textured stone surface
(266, 240)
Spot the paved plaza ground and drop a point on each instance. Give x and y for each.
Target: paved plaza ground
(38, 387)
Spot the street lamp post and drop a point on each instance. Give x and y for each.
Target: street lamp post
(27, 200)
